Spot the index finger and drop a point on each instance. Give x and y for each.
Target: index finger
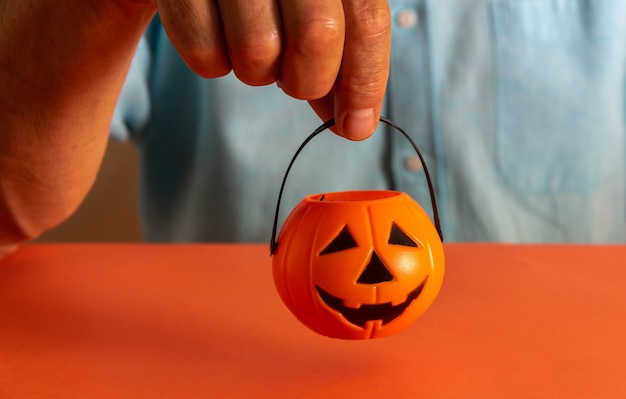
(358, 93)
(314, 33)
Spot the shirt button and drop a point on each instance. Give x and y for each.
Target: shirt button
(413, 164)
(406, 18)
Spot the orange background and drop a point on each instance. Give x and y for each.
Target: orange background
(180, 321)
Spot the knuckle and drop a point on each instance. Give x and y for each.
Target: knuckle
(362, 89)
(255, 58)
(314, 36)
(206, 61)
(256, 50)
(366, 89)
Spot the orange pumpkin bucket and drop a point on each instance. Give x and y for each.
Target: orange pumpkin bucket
(358, 264)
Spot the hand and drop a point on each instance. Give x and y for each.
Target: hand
(334, 53)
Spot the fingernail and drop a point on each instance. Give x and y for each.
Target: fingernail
(359, 125)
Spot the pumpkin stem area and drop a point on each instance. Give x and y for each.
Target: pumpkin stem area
(352, 196)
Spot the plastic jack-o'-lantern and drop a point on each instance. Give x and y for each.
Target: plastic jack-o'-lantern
(358, 264)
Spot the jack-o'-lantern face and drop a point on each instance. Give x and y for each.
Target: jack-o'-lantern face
(359, 264)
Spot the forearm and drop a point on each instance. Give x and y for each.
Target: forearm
(62, 65)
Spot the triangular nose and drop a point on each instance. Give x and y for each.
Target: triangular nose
(375, 272)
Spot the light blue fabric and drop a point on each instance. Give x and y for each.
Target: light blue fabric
(518, 106)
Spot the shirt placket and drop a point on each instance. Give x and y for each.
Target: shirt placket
(409, 103)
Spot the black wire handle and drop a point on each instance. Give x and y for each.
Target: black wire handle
(329, 124)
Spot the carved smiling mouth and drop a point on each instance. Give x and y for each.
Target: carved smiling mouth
(364, 313)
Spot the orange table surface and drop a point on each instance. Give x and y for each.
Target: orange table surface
(204, 321)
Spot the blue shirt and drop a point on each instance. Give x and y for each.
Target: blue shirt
(517, 105)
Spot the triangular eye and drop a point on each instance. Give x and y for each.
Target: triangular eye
(342, 242)
(399, 237)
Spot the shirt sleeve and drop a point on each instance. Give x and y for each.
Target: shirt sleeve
(133, 106)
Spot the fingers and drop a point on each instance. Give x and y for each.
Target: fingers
(358, 93)
(314, 39)
(195, 29)
(360, 87)
(296, 42)
(213, 36)
(334, 53)
(253, 39)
